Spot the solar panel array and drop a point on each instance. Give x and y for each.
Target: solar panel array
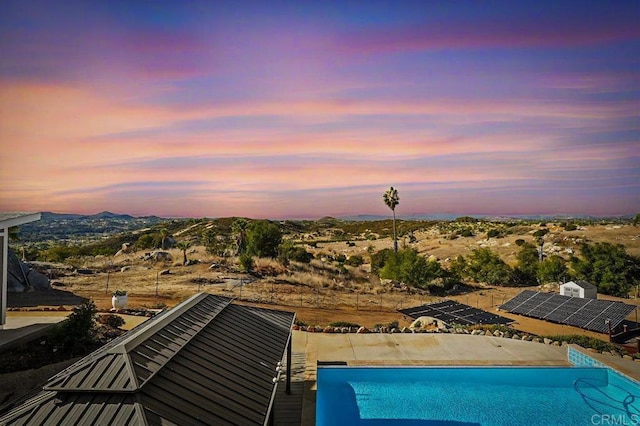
(590, 314)
(452, 312)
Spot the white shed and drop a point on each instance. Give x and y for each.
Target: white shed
(579, 289)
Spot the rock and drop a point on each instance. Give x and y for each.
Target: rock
(344, 330)
(536, 340)
(125, 268)
(515, 336)
(328, 329)
(526, 338)
(84, 271)
(362, 330)
(556, 343)
(506, 335)
(497, 333)
(62, 309)
(488, 333)
(38, 281)
(406, 330)
(165, 272)
(627, 357)
(547, 341)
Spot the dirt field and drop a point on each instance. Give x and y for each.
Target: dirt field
(362, 299)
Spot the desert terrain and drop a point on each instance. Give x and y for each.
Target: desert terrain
(322, 292)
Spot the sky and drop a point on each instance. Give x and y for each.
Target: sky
(309, 109)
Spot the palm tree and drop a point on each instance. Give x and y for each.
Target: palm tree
(391, 199)
(184, 246)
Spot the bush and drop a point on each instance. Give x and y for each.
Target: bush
(520, 242)
(289, 252)
(540, 233)
(246, 262)
(493, 233)
(343, 324)
(77, 333)
(466, 233)
(585, 342)
(355, 260)
(111, 320)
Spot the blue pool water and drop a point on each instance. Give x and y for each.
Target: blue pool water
(475, 396)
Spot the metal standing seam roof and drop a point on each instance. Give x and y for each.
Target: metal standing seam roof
(206, 361)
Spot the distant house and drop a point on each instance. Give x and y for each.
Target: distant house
(579, 289)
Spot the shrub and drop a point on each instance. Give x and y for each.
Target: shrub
(466, 233)
(520, 242)
(111, 320)
(246, 262)
(77, 333)
(355, 260)
(343, 324)
(289, 252)
(492, 233)
(585, 342)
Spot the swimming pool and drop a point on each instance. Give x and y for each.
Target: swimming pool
(475, 396)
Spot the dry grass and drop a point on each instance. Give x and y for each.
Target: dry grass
(319, 292)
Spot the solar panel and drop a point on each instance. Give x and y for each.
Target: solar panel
(520, 298)
(452, 312)
(590, 314)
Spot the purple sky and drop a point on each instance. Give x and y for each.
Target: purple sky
(298, 110)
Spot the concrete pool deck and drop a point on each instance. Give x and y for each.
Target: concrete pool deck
(405, 350)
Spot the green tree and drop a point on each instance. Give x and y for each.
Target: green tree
(552, 269)
(77, 334)
(457, 268)
(208, 238)
(164, 234)
(609, 267)
(263, 239)
(239, 229)
(246, 262)
(290, 252)
(483, 265)
(636, 220)
(379, 259)
(145, 241)
(184, 246)
(527, 264)
(409, 267)
(392, 199)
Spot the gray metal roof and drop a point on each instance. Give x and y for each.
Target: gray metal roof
(9, 219)
(584, 284)
(206, 361)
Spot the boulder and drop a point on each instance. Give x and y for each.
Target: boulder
(125, 268)
(547, 341)
(38, 281)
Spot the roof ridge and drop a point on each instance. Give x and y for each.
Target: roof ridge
(117, 353)
(188, 339)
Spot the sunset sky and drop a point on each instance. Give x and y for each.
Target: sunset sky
(296, 109)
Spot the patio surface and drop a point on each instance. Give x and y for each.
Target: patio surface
(399, 349)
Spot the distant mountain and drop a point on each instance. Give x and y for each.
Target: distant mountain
(108, 215)
(76, 227)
